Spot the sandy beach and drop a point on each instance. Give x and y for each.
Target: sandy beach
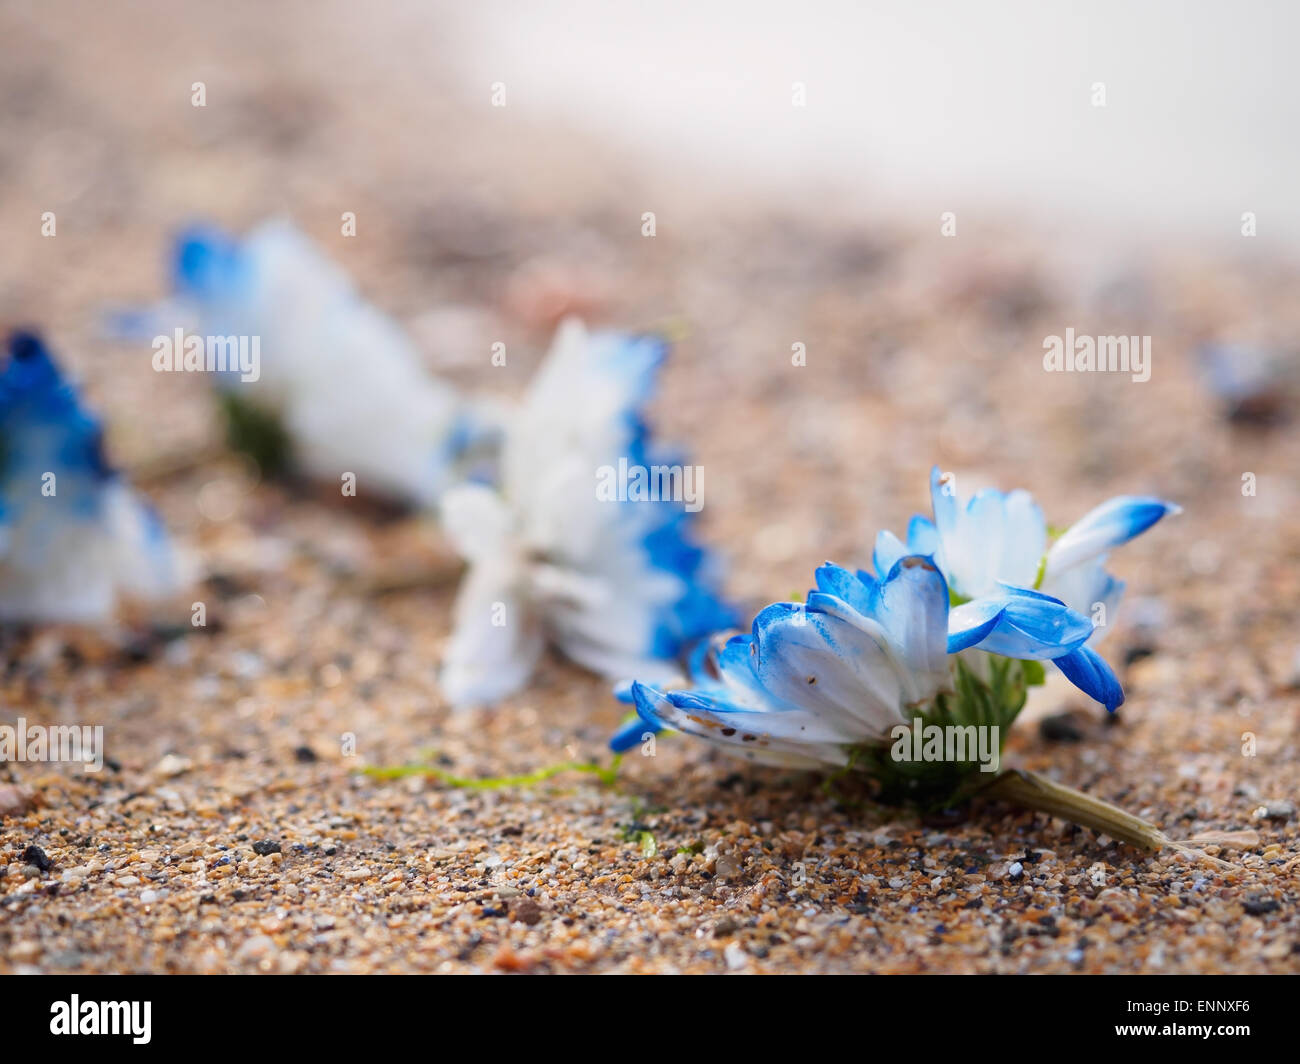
(232, 827)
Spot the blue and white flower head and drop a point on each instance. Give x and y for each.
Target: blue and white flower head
(819, 683)
(73, 535)
(616, 586)
(995, 540)
(935, 639)
(340, 380)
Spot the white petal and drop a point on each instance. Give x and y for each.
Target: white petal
(914, 613)
(1114, 522)
(1024, 540)
(486, 660)
(478, 522)
(833, 666)
(775, 738)
(1085, 587)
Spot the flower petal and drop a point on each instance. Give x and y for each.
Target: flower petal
(486, 661)
(889, 548)
(1024, 539)
(827, 658)
(923, 538)
(797, 737)
(854, 588)
(1084, 588)
(1088, 671)
(972, 622)
(913, 610)
(1114, 522)
(943, 499)
(477, 521)
(975, 551)
(1017, 624)
(632, 733)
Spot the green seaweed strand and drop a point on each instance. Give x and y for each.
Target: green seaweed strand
(606, 775)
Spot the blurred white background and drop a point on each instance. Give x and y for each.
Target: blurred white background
(931, 106)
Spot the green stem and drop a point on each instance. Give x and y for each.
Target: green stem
(393, 772)
(1032, 791)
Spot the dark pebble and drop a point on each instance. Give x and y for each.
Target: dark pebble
(1137, 652)
(1060, 728)
(305, 755)
(225, 585)
(139, 650)
(945, 818)
(169, 633)
(1259, 411)
(34, 855)
(527, 911)
(265, 846)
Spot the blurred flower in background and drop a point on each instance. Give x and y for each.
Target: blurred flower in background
(73, 535)
(617, 585)
(339, 386)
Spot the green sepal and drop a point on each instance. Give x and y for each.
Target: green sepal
(988, 701)
(257, 432)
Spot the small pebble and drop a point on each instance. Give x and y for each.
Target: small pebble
(257, 948)
(527, 911)
(1060, 728)
(15, 799)
(1280, 809)
(173, 765)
